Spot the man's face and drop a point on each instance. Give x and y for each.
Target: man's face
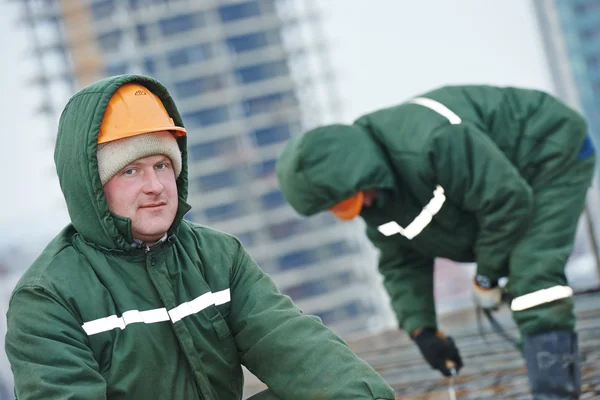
(146, 192)
(370, 197)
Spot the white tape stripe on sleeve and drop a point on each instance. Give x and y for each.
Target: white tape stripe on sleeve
(157, 315)
(103, 324)
(222, 297)
(539, 297)
(438, 108)
(421, 221)
(391, 228)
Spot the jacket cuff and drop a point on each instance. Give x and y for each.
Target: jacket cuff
(415, 322)
(490, 273)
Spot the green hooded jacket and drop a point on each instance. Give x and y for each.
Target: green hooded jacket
(451, 169)
(97, 317)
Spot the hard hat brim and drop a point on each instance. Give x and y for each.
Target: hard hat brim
(349, 208)
(177, 131)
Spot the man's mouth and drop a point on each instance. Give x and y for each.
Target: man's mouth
(154, 205)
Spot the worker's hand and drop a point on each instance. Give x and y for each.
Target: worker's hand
(486, 294)
(439, 351)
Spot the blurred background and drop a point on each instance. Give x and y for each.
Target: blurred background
(249, 74)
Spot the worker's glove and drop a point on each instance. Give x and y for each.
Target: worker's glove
(486, 293)
(438, 350)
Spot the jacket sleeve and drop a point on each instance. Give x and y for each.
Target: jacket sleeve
(47, 350)
(479, 178)
(294, 354)
(408, 279)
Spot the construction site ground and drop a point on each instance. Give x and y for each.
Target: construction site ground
(493, 369)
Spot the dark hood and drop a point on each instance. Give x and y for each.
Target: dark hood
(329, 164)
(77, 166)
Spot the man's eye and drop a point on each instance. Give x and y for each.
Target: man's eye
(129, 171)
(161, 166)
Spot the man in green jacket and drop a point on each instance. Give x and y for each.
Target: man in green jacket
(483, 174)
(130, 301)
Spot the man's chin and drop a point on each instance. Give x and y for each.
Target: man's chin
(151, 234)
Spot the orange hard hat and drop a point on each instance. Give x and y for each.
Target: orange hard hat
(134, 110)
(349, 208)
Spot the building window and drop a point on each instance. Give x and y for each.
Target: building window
(272, 134)
(264, 168)
(149, 65)
(252, 41)
(217, 180)
(136, 4)
(305, 257)
(189, 216)
(272, 200)
(222, 212)
(207, 117)
(593, 61)
(259, 72)
(141, 32)
(207, 150)
(336, 249)
(110, 41)
(268, 103)
(238, 11)
(102, 9)
(297, 259)
(585, 7)
(247, 238)
(180, 23)
(188, 55)
(198, 86)
(286, 229)
(342, 313)
(325, 220)
(117, 68)
(318, 287)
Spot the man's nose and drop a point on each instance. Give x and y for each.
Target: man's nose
(152, 183)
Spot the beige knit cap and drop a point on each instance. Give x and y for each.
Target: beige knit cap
(114, 156)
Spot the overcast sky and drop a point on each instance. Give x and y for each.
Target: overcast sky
(383, 52)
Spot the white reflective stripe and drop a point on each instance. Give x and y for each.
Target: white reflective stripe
(103, 324)
(417, 225)
(390, 228)
(198, 304)
(152, 316)
(182, 310)
(201, 302)
(147, 317)
(438, 108)
(222, 297)
(438, 200)
(543, 296)
(157, 315)
(421, 221)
